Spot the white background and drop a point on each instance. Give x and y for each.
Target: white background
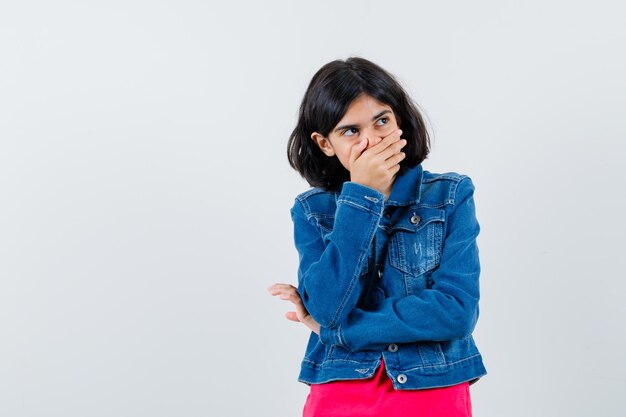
(145, 195)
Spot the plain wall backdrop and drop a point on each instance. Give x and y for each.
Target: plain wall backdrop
(145, 195)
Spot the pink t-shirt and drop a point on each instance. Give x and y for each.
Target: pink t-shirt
(376, 397)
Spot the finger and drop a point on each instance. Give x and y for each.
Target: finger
(394, 160)
(280, 285)
(290, 293)
(293, 297)
(276, 288)
(397, 131)
(291, 315)
(393, 149)
(387, 140)
(356, 151)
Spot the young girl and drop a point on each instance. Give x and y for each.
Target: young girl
(388, 280)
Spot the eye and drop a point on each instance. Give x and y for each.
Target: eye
(345, 132)
(385, 119)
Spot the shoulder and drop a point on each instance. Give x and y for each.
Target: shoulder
(314, 202)
(446, 186)
(310, 193)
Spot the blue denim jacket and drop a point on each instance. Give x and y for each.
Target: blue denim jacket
(395, 278)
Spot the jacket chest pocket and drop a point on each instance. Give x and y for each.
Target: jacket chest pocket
(416, 241)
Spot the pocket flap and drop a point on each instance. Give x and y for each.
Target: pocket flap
(416, 218)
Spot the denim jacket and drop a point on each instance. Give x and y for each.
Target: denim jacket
(396, 278)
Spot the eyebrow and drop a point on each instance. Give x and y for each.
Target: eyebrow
(373, 118)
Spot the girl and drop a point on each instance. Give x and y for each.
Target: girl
(389, 267)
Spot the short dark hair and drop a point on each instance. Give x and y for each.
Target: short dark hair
(328, 96)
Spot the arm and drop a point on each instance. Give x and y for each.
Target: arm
(448, 310)
(329, 273)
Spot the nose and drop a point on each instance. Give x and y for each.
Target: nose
(372, 138)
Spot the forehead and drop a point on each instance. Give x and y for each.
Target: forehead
(363, 107)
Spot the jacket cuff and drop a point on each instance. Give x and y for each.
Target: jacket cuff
(331, 336)
(362, 196)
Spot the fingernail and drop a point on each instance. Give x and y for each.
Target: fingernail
(399, 132)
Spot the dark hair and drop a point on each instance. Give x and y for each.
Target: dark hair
(331, 91)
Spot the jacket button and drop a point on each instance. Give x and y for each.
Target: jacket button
(392, 347)
(415, 219)
(401, 378)
(380, 273)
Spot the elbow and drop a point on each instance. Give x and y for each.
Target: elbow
(466, 328)
(464, 321)
(323, 318)
(471, 318)
(328, 317)
(323, 312)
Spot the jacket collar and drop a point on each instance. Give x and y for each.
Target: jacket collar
(407, 187)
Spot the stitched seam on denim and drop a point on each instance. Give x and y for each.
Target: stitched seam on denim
(326, 362)
(321, 215)
(446, 177)
(454, 188)
(452, 193)
(447, 364)
(315, 364)
(305, 209)
(435, 205)
(313, 191)
(406, 278)
(305, 206)
(330, 361)
(343, 200)
(326, 229)
(317, 223)
(397, 203)
(342, 341)
(317, 217)
(329, 353)
(355, 277)
(428, 221)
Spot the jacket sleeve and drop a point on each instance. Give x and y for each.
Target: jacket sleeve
(329, 271)
(448, 310)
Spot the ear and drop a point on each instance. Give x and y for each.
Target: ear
(323, 143)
